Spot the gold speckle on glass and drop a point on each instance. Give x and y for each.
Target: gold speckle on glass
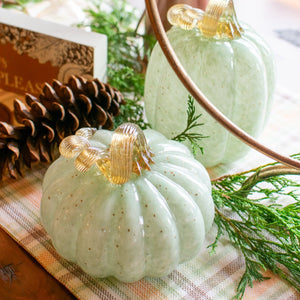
(128, 153)
(218, 20)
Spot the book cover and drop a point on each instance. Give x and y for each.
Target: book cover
(34, 51)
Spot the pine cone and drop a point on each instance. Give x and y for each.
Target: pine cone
(58, 112)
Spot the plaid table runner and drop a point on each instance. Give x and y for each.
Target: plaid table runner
(204, 277)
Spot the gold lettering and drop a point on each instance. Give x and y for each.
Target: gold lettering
(3, 63)
(18, 82)
(5, 77)
(6, 82)
(29, 87)
(39, 87)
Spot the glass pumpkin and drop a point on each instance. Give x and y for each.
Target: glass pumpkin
(144, 226)
(234, 68)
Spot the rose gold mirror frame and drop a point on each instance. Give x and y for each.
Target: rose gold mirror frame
(174, 62)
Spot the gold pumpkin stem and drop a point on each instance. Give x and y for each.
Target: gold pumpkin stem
(219, 19)
(128, 153)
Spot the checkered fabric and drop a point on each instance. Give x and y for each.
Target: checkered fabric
(204, 277)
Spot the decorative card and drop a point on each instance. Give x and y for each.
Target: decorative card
(34, 51)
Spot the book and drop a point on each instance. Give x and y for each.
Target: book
(34, 51)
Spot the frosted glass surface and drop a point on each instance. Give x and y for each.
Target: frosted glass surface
(236, 75)
(145, 227)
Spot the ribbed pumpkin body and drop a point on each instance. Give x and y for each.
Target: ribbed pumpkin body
(145, 227)
(236, 75)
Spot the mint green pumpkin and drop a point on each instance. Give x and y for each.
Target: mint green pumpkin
(144, 227)
(237, 76)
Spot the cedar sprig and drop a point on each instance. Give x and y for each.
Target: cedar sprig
(192, 122)
(267, 234)
(127, 54)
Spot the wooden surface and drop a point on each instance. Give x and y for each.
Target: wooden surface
(22, 278)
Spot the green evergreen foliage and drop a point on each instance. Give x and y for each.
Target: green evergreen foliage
(127, 55)
(192, 122)
(267, 232)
